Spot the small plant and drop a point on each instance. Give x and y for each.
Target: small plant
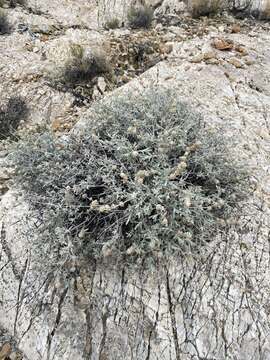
(112, 24)
(140, 17)
(204, 7)
(83, 68)
(146, 178)
(11, 115)
(4, 24)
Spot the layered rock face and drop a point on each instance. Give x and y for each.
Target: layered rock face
(213, 308)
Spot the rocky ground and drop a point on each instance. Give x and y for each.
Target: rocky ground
(221, 66)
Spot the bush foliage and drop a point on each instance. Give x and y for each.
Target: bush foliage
(140, 17)
(146, 178)
(11, 115)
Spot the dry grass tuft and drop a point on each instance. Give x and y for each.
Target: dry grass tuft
(82, 68)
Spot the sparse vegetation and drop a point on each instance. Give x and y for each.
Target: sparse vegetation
(83, 68)
(205, 7)
(147, 178)
(11, 115)
(140, 17)
(4, 24)
(112, 24)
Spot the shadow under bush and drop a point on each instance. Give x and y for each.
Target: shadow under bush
(146, 178)
(11, 115)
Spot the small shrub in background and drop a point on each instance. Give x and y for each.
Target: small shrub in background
(265, 13)
(14, 3)
(242, 9)
(11, 115)
(205, 7)
(140, 17)
(112, 24)
(146, 178)
(4, 24)
(83, 68)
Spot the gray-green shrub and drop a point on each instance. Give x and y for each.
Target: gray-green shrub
(147, 177)
(140, 17)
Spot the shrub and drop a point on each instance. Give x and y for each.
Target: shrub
(112, 24)
(14, 3)
(140, 17)
(4, 24)
(265, 13)
(11, 115)
(204, 7)
(146, 178)
(83, 68)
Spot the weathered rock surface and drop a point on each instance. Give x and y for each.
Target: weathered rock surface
(217, 308)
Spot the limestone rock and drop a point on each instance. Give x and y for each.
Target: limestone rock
(101, 84)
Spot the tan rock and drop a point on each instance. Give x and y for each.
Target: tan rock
(236, 28)
(236, 62)
(241, 49)
(222, 44)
